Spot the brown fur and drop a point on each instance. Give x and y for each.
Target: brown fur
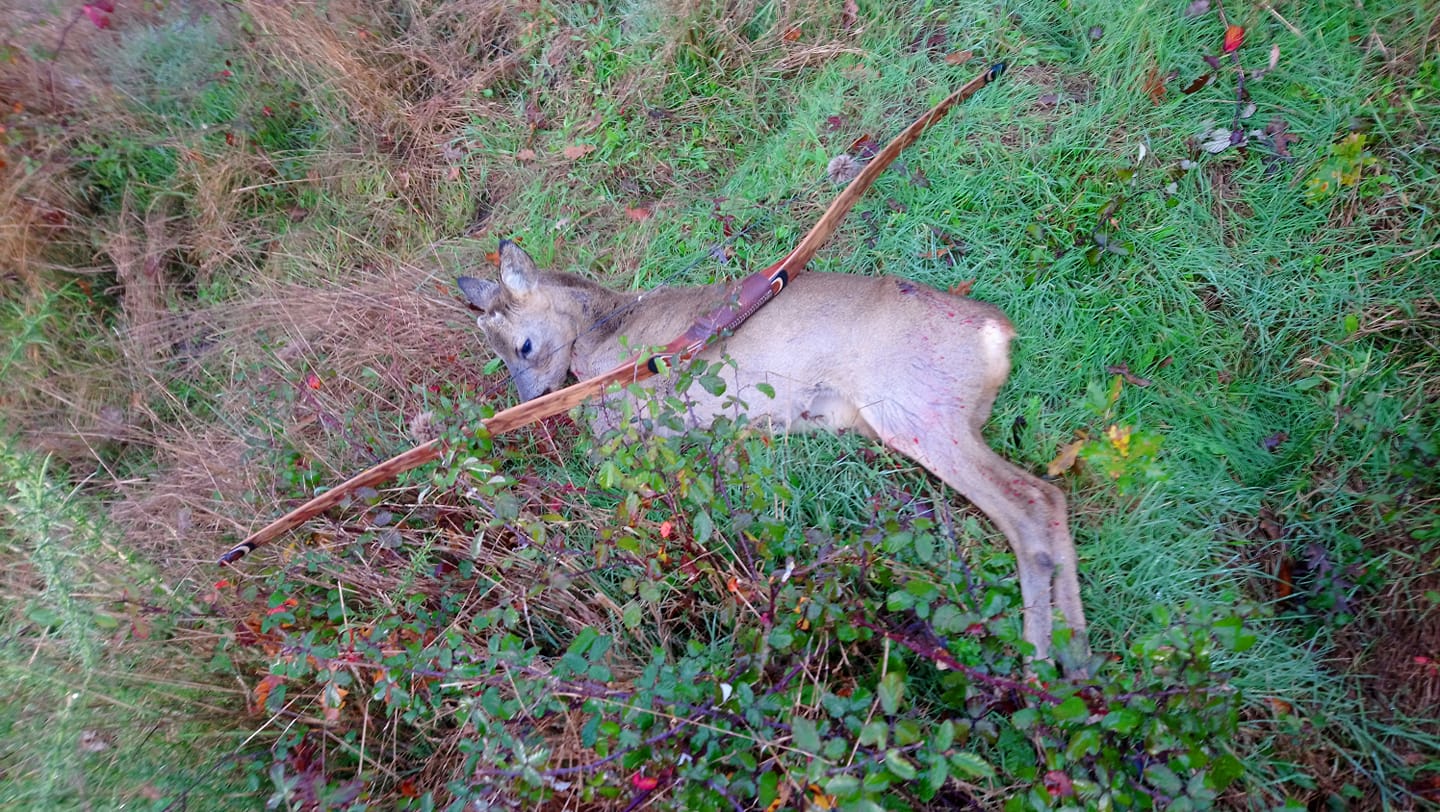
(906, 364)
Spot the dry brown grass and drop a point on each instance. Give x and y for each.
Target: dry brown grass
(367, 343)
(410, 80)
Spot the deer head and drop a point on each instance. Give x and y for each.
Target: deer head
(531, 326)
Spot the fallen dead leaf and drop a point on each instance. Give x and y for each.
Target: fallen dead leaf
(638, 214)
(1285, 579)
(263, 689)
(1199, 83)
(849, 13)
(1155, 84)
(1218, 140)
(1065, 460)
(1278, 130)
(526, 155)
(865, 147)
(1274, 441)
(959, 57)
(1280, 706)
(1270, 524)
(577, 151)
(1123, 370)
(959, 288)
(962, 288)
(791, 34)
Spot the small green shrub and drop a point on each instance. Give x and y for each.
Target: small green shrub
(733, 657)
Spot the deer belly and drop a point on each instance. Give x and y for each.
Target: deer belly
(809, 410)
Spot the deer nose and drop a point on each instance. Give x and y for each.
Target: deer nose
(528, 388)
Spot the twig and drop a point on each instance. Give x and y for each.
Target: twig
(1292, 29)
(59, 47)
(939, 655)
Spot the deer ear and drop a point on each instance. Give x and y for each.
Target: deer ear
(482, 293)
(517, 270)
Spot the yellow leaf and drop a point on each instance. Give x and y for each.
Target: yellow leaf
(819, 800)
(1120, 439)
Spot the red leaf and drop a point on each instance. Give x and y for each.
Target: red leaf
(791, 35)
(644, 783)
(105, 6)
(1059, 784)
(97, 15)
(313, 381)
(1234, 38)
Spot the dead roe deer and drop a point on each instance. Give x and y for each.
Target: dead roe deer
(914, 367)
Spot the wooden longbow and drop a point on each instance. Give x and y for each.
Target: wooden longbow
(744, 299)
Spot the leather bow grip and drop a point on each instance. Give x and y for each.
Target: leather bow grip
(751, 294)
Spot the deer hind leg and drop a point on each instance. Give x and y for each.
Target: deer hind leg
(1031, 513)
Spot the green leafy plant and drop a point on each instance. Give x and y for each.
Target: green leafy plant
(1344, 167)
(739, 659)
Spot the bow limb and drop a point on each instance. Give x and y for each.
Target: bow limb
(755, 290)
(804, 251)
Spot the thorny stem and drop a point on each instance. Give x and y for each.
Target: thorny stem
(700, 713)
(939, 655)
(1240, 83)
(1239, 90)
(59, 47)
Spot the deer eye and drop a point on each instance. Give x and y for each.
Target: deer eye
(525, 349)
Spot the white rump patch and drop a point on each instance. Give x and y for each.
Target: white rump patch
(995, 339)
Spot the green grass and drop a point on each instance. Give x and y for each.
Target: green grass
(1288, 336)
(100, 709)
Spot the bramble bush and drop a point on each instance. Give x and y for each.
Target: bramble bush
(706, 644)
